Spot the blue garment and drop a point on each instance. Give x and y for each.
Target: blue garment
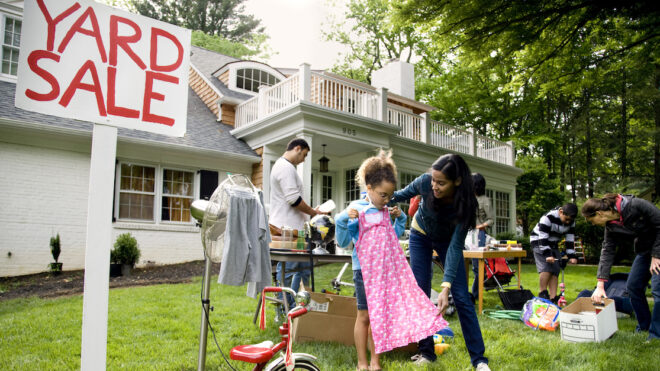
(421, 252)
(347, 230)
(360, 293)
(437, 221)
(294, 274)
(637, 280)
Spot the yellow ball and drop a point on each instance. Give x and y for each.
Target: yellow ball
(441, 348)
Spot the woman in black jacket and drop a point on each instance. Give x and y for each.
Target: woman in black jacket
(629, 220)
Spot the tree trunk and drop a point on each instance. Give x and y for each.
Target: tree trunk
(624, 130)
(656, 145)
(587, 145)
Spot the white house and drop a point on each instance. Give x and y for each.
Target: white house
(241, 114)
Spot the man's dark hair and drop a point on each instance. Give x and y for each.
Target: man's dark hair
(479, 184)
(570, 210)
(297, 142)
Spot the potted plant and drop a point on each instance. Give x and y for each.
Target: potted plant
(55, 268)
(125, 253)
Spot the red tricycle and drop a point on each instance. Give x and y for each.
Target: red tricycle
(260, 354)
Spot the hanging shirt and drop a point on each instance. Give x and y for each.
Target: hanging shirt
(246, 255)
(347, 229)
(399, 311)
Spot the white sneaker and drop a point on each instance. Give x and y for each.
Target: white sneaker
(415, 357)
(422, 361)
(483, 367)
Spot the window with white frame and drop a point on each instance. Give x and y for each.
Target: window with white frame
(11, 42)
(177, 195)
(326, 188)
(352, 187)
(137, 192)
(311, 191)
(500, 202)
(141, 185)
(251, 79)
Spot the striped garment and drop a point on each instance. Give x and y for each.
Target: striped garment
(549, 231)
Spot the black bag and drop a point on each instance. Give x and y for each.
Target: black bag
(515, 299)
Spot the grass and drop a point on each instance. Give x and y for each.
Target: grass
(157, 328)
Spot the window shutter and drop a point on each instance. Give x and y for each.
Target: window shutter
(208, 183)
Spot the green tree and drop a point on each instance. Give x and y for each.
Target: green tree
(372, 38)
(214, 17)
(537, 192)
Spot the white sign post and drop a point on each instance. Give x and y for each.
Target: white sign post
(87, 61)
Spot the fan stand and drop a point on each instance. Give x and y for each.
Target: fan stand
(206, 304)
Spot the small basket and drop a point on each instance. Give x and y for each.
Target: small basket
(515, 299)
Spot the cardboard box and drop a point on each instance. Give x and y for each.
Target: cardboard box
(579, 321)
(330, 318)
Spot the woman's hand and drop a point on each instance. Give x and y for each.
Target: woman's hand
(655, 265)
(443, 300)
(599, 293)
(550, 259)
(395, 211)
(352, 213)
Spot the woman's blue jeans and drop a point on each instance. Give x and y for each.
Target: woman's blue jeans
(475, 265)
(421, 252)
(637, 281)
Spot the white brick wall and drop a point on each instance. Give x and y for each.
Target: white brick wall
(43, 192)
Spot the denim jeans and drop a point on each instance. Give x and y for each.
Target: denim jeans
(637, 281)
(295, 272)
(481, 238)
(421, 252)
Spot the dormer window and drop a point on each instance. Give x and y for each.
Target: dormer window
(248, 76)
(252, 78)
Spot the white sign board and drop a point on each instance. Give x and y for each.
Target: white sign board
(88, 61)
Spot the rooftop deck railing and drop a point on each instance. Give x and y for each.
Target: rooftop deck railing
(357, 99)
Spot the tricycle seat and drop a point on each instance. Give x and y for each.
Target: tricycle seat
(253, 353)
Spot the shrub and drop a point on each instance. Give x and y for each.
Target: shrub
(126, 250)
(55, 247)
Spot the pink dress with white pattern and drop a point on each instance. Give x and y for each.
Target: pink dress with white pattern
(399, 311)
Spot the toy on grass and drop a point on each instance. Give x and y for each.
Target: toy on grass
(441, 340)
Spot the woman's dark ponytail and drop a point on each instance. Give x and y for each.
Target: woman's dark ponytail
(593, 205)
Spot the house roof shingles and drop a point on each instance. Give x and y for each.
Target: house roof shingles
(207, 62)
(202, 129)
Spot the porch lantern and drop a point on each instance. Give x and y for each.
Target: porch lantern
(323, 161)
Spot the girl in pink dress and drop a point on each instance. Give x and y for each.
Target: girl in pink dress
(392, 310)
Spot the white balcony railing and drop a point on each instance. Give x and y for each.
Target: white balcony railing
(410, 124)
(493, 150)
(331, 92)
(450, 137)
(354, 98)
(247, 112)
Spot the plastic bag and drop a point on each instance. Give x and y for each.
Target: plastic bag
(540, 314)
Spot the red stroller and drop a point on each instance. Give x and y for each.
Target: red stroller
(499, 268)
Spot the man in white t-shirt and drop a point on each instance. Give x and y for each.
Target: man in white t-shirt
(287, 207)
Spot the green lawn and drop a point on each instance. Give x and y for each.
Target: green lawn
(157, 328)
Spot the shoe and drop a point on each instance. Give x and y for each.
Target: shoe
(544, 295)
(416, 357)
(483, 366)
(422, 361)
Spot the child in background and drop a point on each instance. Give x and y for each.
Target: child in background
(392, 310)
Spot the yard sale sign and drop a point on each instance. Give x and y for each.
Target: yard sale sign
(88, 61)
